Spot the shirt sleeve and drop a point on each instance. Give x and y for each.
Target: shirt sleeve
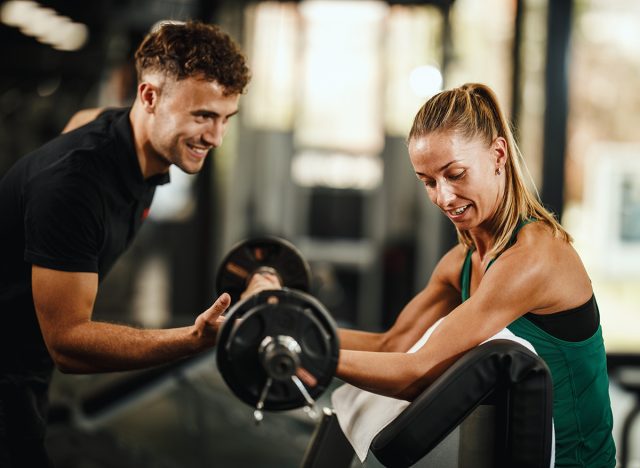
(64, 221)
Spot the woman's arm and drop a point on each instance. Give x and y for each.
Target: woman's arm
(438, 298)
(518, 283)
(82, 117)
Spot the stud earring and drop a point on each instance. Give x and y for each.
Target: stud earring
(498, 171)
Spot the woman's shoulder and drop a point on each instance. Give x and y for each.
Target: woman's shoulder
(540, 253)
(538, 236)
(450, 265)
(547, 259)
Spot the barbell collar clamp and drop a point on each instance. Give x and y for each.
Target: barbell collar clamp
(280, 356)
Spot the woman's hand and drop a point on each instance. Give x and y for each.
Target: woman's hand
(261, 281)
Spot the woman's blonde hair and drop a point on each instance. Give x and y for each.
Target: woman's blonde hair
(472, 110)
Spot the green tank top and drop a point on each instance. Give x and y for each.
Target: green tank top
(581, 405)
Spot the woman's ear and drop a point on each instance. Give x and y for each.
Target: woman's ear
(499, 148)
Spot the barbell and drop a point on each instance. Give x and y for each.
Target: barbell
(277, 349)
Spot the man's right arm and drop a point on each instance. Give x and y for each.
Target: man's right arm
(64, 303)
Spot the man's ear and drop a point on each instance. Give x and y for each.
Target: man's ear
(148, 94)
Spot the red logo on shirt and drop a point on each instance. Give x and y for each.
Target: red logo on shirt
(145, 213)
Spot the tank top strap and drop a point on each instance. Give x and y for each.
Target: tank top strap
(521, 224)
(465, 274)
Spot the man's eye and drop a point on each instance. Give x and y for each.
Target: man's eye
(429, 183)
(203, 117)
(457, 175)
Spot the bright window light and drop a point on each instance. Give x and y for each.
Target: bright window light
(16, 13)
(425, 81)
(272, 43)
(44, 24)
(413, 39)
(336, 170)
(340, 106)
(70, 38)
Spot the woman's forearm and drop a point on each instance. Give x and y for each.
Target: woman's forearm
(360, 340)
(395, 375)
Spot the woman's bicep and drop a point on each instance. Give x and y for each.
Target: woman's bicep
(431, 304)
(514, 288)
(436, 300)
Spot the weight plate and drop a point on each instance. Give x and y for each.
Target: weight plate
(244, 259)
(277, 313)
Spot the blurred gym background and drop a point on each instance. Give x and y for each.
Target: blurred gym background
(318, 156)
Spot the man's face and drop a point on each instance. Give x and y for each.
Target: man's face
(189, 118)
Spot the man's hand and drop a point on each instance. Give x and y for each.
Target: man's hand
(208, 322)
(261, 281)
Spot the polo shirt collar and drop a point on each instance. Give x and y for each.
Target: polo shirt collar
(131, 172)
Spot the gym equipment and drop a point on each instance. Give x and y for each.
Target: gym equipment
(624, 370)
(497, 397)
(266, 254)
(278, 349)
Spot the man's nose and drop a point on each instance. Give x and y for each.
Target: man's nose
(214, 134)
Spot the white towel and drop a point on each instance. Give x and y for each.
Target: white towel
(363, 414)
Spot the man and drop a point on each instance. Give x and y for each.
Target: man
(70, 208)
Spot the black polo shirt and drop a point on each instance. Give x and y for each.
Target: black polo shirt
(75, 204)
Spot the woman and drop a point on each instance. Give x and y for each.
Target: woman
(513, 267)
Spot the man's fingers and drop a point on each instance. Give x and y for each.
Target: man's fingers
(221, 304)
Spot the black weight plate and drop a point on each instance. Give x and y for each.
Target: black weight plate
(281, 319)
(246, 257)
(271, 313)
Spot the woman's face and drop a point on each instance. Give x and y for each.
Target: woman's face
(461, 175)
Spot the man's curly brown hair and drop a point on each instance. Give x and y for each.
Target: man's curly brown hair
(193, 49)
